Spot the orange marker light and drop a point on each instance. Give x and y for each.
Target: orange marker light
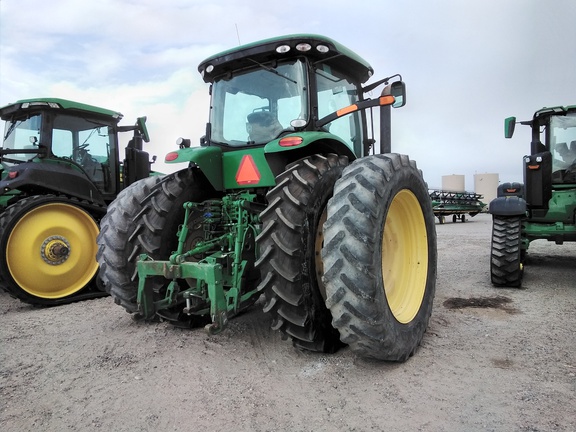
(346, 110)
(247, 171)
(387, 100)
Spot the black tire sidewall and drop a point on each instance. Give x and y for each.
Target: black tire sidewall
(352, 253)
(508, 278)
(319, 197)
(287, 244)
(409, 334)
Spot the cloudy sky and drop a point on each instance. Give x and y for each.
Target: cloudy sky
(467, 64)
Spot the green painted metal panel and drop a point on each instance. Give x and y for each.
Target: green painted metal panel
(221, 168)
(562, 206)
(208, 159)
(307, 139)
(558, 224)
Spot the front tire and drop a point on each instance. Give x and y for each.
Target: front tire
(380, 257)
(290, 246)
(506, 258)
(49, 245)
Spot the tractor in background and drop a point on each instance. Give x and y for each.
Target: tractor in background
(544, 206)
(286, 196)
(60, 167)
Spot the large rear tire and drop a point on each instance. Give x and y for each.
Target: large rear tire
(290, 245)
(506, 257)
(144, 219)
(119, 243)
(380, 257)
(48, 246)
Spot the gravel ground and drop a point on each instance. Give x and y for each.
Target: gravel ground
(507, 366)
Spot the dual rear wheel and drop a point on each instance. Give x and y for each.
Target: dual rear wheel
(366, 276)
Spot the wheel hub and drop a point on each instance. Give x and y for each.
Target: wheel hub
(55, 250)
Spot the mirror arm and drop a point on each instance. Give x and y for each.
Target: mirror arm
(368, 103)
(372, 86)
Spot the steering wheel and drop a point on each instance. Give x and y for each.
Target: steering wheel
(570, 172)
(78, 154)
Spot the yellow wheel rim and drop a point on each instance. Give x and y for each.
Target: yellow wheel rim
(404, 256)
(51, 251)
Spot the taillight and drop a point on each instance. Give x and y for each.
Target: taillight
(171, 156)
(290, 141)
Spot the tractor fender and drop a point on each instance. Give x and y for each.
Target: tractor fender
(508, 206)
(311, 143)
(510, 189)
(206, 159)
(279, 154)
(38, 178)
(220, 166)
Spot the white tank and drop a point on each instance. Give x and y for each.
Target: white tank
(486, 185)
(453, 183)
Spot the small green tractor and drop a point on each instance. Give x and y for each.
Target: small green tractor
(285, 197)
(59, 170)
(544, 206)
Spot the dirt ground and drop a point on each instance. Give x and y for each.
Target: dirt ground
(510, 366)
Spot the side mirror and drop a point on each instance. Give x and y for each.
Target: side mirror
(509, 125)
(398, 90)
(141, 123)
(399, 93)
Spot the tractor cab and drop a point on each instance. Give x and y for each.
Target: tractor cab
(46, 134)
(279, 90)
(561, 138)
(551, 164)
(52, 144)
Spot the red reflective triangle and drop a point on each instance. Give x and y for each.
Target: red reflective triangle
(247, 171)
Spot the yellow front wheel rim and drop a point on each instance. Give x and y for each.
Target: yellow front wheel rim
(51, 251)
(405, 256)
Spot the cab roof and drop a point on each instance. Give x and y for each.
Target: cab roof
(557, 110)
(56, 103)
(321, 48)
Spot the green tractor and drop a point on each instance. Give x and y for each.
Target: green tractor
(544, 206)
(285, 197)
(59, 170)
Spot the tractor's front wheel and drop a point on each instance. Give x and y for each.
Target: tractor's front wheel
(506, 257)
(380, 257)
(48, 246)
(290, 252)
